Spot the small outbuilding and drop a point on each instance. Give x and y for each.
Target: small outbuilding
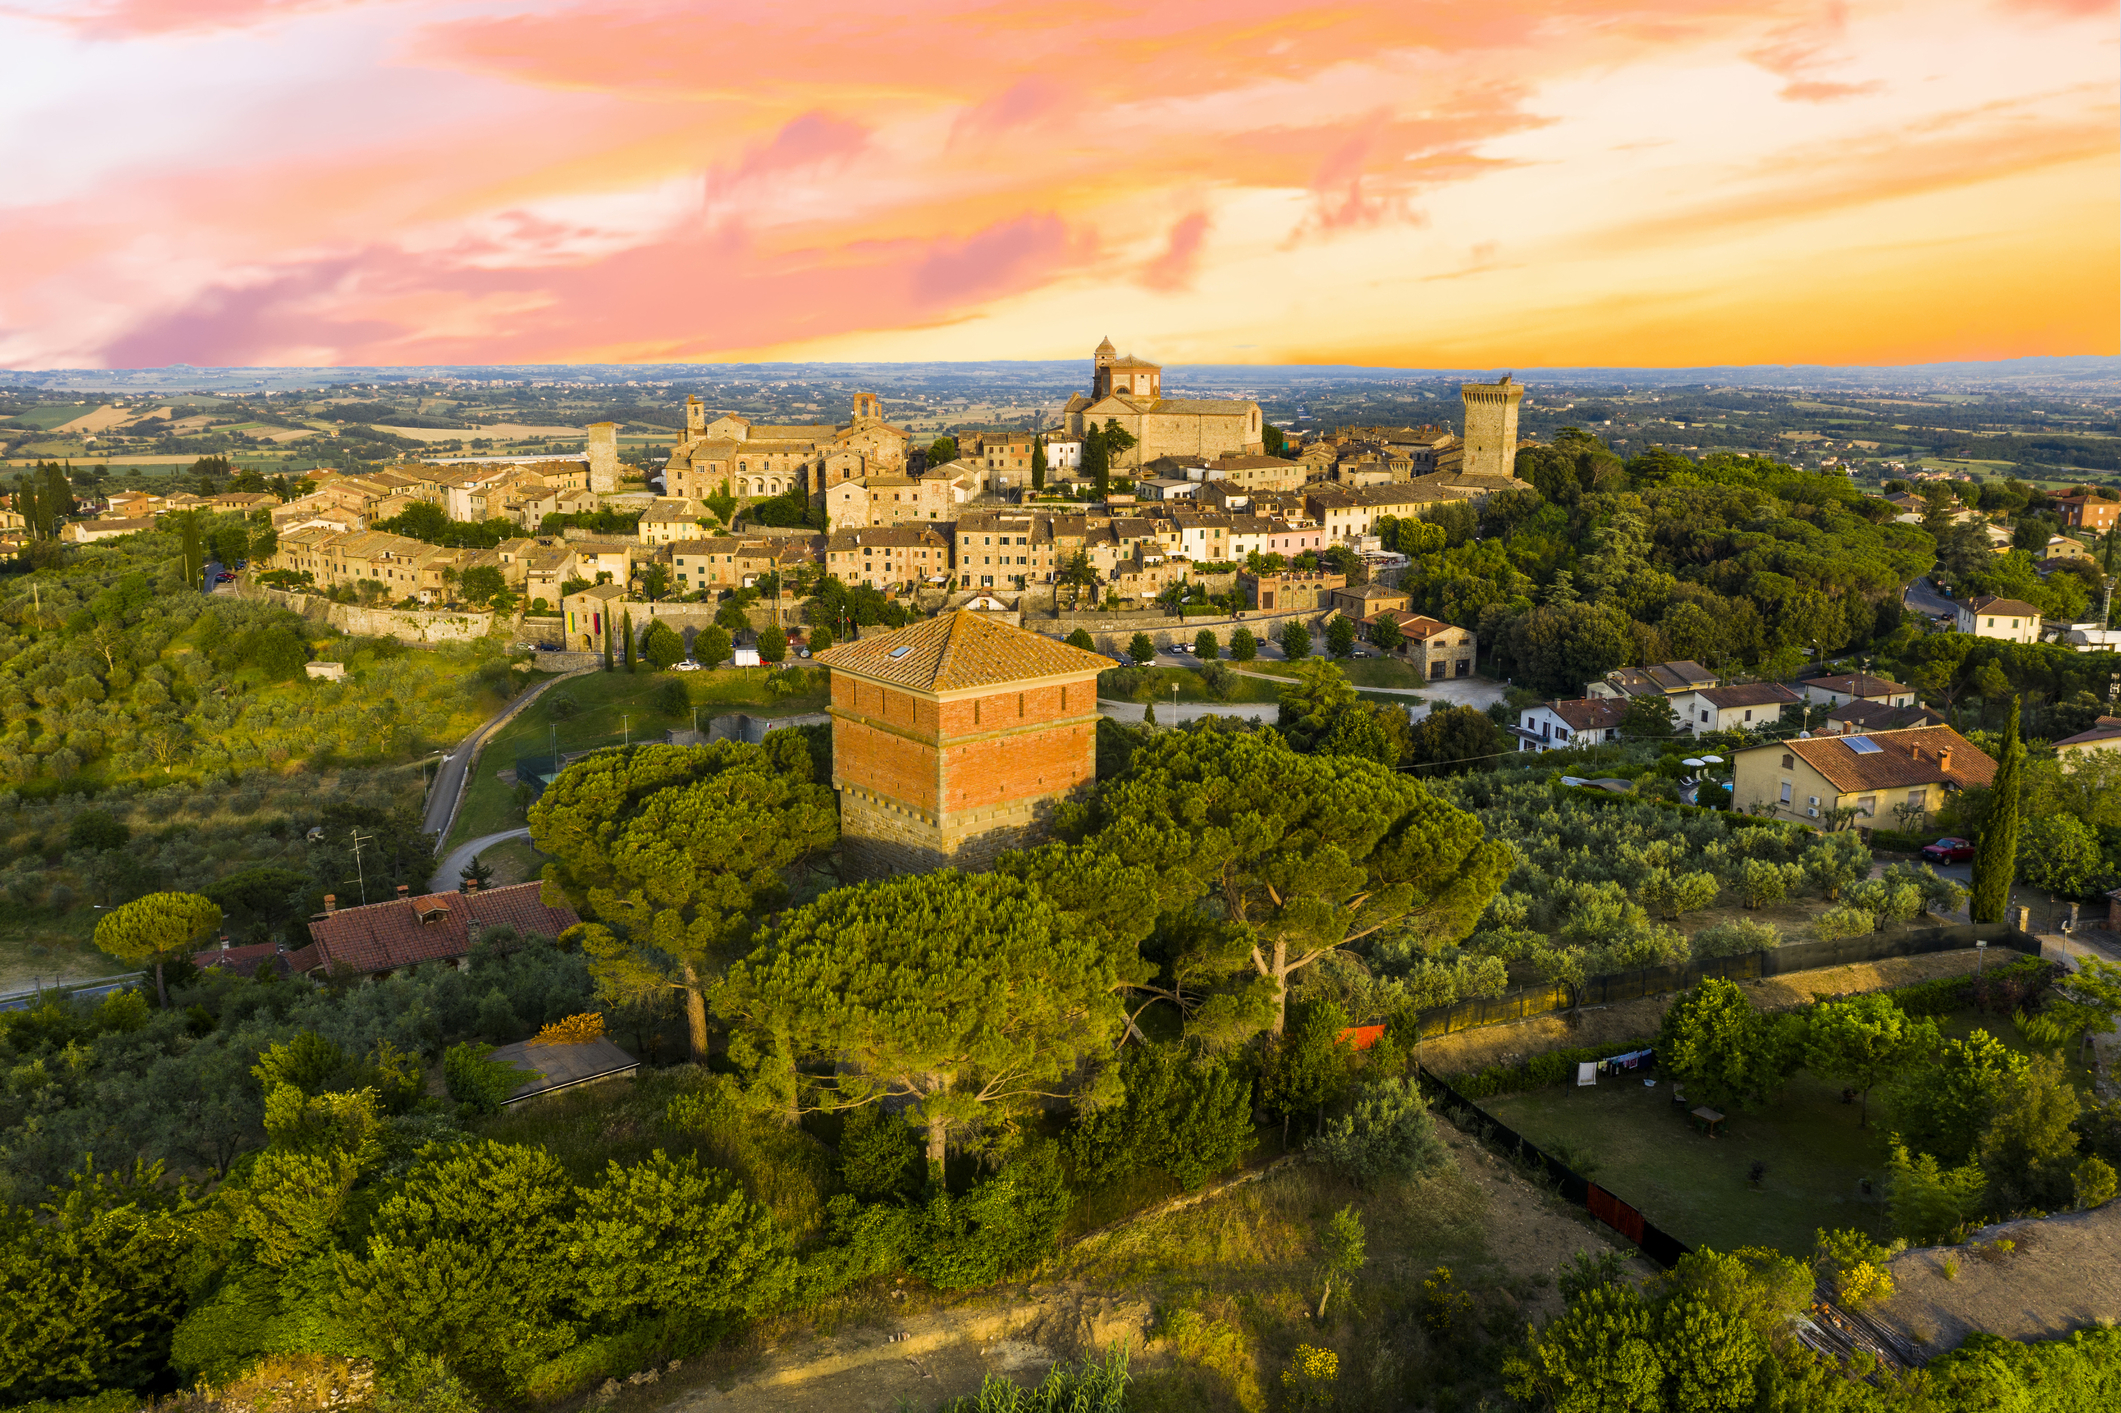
(548, 1069)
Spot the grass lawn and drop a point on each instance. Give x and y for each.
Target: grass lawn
(513, 861)
(611, 708)
(1647, 1153)
(1362, 671)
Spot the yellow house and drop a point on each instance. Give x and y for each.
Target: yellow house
(1803, 780)
(2105, 735)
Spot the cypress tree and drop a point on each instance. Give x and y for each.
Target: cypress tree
(1996, 846)
(1038, 462)
(628, 630)
(607, 639)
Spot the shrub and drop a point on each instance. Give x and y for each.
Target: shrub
(480, 1083)
(1853, 1266)
(1188, 1117)
(1243, 646)
(2093, 1183)
(574, 1030)
(1388, 1133)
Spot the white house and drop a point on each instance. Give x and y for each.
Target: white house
(1581, 722)
(1858, 687)
(1064, 453)
(1747, 706)
(2012, 620)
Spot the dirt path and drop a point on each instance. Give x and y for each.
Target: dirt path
(1627, 1020)
(2062, 1274)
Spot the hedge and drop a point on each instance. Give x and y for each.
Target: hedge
(1899, 842)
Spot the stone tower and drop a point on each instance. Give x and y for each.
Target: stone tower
(1491, 427)
(603, 456)
(868, 407)
(953, 739)
(1101, 368)
(695, 418)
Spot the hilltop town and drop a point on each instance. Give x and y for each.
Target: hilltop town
(1163, 906)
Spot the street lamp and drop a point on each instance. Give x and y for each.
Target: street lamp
(1174, 704)
(1980, 951)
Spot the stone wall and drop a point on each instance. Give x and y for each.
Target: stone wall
(1112, 632)
(406, 625)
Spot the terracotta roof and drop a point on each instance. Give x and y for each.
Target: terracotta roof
(1906, 757)
(1859, 685)
(960, 650)
(1746, 694)
(2108, 728)
(1877, 716)
(1590, 713)
(434, 926)
(2013, 608)
(243, 961)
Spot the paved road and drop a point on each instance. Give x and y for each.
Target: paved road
(448, 784)
(22, 1001)
(1922, 597)
(449, 873)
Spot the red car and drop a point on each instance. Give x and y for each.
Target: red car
(1948, 851)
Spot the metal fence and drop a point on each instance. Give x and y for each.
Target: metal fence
(1551, 997)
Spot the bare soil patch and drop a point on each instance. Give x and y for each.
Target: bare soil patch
(2062, 1274)
(101, 420)
(1629, 1020)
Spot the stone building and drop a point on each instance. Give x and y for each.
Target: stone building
(1129, 391)
(754, 459)
(953, 739)
(1491, 427)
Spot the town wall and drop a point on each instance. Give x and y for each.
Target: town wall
(405, 625)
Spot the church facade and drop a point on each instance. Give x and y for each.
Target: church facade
(755, 459)
(1130, 391)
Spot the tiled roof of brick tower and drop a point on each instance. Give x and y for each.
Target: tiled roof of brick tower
(431, 927)
(960, 650)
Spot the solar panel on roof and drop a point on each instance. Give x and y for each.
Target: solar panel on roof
(1864, 746)
(900, 651)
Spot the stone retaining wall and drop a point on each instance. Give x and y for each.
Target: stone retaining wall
(406, 625)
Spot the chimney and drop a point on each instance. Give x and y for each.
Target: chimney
(404, 892)
(1914, 752)
(471, 885)
(331, 903)
(1944, 758)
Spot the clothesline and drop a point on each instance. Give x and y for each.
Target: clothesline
(1633, 1059)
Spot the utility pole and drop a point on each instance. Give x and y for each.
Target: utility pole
(626, 730)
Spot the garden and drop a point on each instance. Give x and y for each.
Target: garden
(1905, 1115)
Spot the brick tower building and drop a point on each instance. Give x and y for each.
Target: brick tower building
(953, 738)
(1491, 426)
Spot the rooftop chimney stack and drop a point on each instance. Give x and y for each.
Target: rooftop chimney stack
(1944, 759)
(331, 903)
(404, 891)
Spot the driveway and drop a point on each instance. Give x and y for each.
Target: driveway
(448, 873)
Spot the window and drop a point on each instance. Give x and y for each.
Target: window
(1785, 792)
(1919, 799)
(1868, 804)
(1789, 762)
(1748, 713)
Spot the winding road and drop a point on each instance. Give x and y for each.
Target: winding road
(447, 792)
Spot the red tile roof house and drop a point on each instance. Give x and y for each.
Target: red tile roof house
(381, 938)
(243, 960)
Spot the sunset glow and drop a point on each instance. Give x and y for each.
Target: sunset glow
(1523, 182)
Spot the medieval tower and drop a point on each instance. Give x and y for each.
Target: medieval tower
(1491, 427)
(603, 456)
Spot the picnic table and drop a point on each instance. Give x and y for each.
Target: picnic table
(1708, 1119)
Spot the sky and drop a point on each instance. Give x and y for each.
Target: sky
(1412, 184)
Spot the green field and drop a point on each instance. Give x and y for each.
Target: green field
(1158, 682)
(1634, 1142)
(613, 708)
(1362, 671)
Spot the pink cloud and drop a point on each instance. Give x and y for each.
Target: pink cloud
(814, 137)
(1025, 101)
(1176, 267)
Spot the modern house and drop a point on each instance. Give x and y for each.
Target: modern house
(1582, 721)
(1670, 679)
(1844, 688)
(1744, 706)
(1806, 779)
(1853, 718)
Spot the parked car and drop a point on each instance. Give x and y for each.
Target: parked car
(688, 665)
(1948, 851)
